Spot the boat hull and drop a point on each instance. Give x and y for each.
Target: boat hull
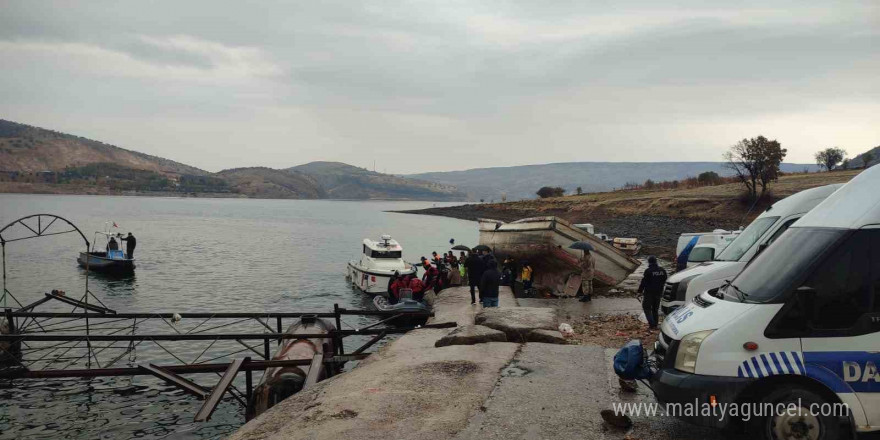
(95, 261)
(545, 241)
(280, 383)
(374, 282)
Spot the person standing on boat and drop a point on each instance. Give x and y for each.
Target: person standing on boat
(112, 245)
(130, 244)
(475, 267)
(489, 283)
(588, 271)
(652, 288)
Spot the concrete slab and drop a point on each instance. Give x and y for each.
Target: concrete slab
(470, 335)
(571, 309)
(549, 392)
(518, 322)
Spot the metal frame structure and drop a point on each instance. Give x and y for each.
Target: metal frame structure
(93, 340)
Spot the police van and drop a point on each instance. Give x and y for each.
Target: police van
(798, 328)
(682, 286)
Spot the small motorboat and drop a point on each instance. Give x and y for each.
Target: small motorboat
(378, 263)
(405, 305)
(279, 383)
(107, 260)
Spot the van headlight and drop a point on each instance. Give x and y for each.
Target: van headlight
(688, 349)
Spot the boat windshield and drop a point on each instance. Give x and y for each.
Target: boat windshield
(746, 239)
(386, 254)
(768, 277)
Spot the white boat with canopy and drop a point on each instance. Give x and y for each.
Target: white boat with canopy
(378, 263)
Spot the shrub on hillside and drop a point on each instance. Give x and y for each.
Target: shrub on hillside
(548, 191)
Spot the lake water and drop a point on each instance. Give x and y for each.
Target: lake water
(193, 255)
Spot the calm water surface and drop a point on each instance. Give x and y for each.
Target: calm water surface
(193, 255)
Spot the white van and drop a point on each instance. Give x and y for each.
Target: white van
(791, 347)
(691, 242)
(682, 286)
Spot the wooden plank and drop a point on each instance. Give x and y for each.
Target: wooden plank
(314, 370)
(216, 395)
(176, 380)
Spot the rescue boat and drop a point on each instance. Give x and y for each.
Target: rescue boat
(378, 263)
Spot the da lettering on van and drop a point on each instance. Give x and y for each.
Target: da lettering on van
(855, 372)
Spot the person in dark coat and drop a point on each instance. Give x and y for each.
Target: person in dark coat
(489, 283)
(112, 245)
(475, 267)
(130, 244)
(651, 288)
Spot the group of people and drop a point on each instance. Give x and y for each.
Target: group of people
(130, 244)
(483, 277)
(480, 270)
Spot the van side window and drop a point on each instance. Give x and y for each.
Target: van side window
(782, 229)
(844, 287)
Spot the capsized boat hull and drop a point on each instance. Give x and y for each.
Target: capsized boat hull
(98, 261)
(280, 383)
(545, 241)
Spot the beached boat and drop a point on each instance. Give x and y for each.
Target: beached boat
(107, 260)
(379, 261)
(280, 383)
(544, 241)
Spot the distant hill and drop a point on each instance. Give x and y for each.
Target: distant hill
(25, 148)
(859, 161)
(34, 159)
(521, 182)
(267, 183)
(343, 181)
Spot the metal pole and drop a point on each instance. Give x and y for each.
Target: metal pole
(3, 245)
(279, 329)
(338, 340)
(266, 354)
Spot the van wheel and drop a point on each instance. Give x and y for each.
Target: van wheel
(797, 423)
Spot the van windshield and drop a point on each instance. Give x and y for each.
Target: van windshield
(738, 247)
(770, 275)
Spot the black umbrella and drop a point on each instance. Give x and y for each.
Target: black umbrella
(582, 245)
(481, 248)
(461, 247)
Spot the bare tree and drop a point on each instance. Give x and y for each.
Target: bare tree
(756, 163)
(830, 157)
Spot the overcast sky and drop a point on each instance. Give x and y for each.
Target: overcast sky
(431, 86)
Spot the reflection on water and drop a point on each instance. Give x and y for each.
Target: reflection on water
(193, 255)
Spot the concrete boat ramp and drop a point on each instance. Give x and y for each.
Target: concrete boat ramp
(413, 389)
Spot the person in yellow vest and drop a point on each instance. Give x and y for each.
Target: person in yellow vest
(526, 276)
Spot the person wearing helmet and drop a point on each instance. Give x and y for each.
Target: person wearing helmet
(651, 288)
